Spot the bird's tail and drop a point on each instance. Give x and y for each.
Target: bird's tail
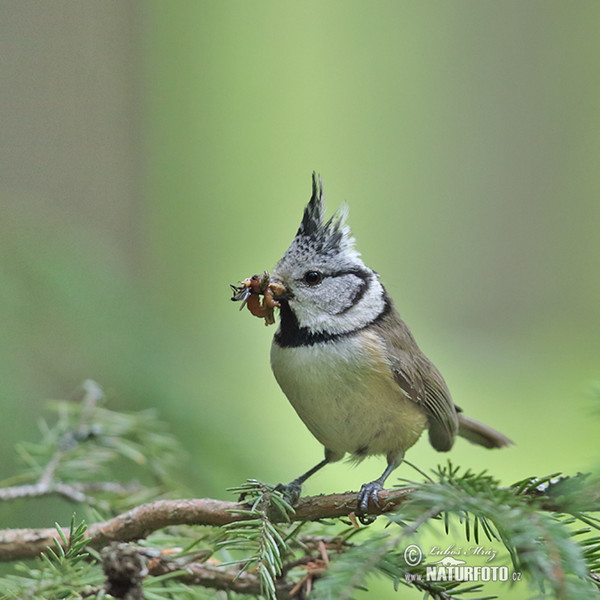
(480, 433)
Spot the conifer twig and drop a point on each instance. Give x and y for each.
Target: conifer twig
(74, 492)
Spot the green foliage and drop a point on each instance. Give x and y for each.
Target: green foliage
(538, 543)
(61, 572)
(262, 541)
(546, 527)
(379, 556)
(92, 447)
(71, 551)
(552, 550)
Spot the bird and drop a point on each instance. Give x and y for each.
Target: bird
(347, 362)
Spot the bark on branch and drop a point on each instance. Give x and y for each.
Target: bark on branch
(141, 521)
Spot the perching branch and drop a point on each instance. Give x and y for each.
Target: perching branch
(141, 521)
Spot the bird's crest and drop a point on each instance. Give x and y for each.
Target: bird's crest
(329, 236)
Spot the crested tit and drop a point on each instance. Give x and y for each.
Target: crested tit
(348, 363)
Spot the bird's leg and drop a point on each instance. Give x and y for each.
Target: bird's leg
(292, 490)
(369, 491)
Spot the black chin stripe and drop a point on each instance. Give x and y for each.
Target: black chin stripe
(291, 335)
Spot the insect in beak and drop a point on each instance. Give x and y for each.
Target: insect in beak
(240, 293)
(250, 290)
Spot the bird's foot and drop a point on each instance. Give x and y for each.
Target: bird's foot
(369, 493)
(291, 491)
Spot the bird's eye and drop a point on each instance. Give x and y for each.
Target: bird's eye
(313, 277)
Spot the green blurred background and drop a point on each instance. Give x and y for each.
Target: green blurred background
(154, 152)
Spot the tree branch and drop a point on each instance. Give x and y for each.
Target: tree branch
(141, 521)
(73, 492)
(215, 577)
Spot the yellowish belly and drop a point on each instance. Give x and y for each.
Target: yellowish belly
(345, 394)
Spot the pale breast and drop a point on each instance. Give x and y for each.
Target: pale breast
(344, 392)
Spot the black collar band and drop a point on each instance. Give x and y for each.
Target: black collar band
(291, 335)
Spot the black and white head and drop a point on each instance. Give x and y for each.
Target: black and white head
(329, 290)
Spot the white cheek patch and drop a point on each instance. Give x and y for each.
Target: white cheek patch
(356, 289)
(336, 295)
(340, 308)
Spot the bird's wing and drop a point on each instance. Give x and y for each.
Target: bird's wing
(419, 380)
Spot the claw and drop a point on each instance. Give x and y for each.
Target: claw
(368, 493)
(291, 491)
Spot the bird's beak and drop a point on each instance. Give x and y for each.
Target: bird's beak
(278, 288)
